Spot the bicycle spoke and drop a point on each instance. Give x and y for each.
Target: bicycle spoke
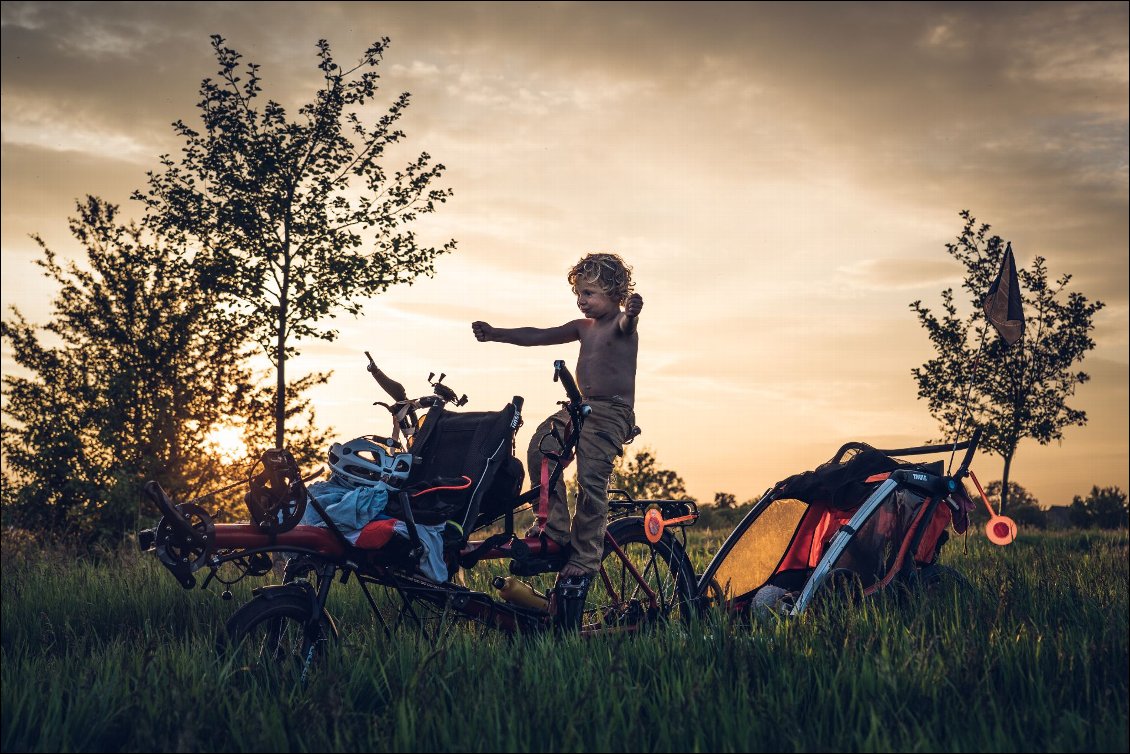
(640, 582)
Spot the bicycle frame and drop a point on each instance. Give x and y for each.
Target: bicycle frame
(242, 543)
(187, 540)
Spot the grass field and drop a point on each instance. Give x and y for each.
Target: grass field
(110, 654)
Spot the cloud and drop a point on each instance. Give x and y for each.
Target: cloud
(782, 176)
(902, 274)
(27, 127)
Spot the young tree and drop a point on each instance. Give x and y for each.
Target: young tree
(134, 371)
(296, 219)
(1011, 392)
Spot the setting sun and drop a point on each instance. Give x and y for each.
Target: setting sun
(226, 440)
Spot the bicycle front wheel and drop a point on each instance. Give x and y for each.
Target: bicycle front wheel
(277, 634)
(640, 583)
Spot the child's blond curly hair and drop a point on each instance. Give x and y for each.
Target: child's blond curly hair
(607, 271)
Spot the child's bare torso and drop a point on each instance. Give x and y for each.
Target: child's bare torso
(606, 365)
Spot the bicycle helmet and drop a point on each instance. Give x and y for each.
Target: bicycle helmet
(366, 462)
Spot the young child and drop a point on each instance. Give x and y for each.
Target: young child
(606, 376)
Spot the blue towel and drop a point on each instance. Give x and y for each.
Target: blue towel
(431, 537)
(352, 508)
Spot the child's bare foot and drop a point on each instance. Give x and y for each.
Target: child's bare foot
(572, 569)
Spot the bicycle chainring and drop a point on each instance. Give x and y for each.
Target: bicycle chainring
(180, 552)
(276, 499)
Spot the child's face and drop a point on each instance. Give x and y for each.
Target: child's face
(593, 302)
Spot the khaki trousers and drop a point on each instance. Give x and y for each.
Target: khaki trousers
(602, 438)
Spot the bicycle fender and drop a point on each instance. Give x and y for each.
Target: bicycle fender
(302, 589)
(620, 526)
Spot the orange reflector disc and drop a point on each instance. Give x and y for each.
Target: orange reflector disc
(653, 525)
(1001, 530)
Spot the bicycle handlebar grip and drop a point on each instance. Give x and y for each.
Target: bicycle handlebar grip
(560, 371)
(392, 387)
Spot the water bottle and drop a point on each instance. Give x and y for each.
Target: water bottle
(518, 592)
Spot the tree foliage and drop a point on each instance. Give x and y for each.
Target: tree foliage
(725, 514)
(724, 500)
(127, 380)
(1023, 507)
(296, 219)
(1104, 507)
(643, 478)
(1012, 393)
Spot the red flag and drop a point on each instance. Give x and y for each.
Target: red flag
(1002, 304)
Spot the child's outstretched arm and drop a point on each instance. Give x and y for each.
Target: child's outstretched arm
(527, 336)
(630, 316)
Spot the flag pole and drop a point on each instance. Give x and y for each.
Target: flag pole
(968, 390)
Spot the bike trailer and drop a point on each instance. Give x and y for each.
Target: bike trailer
(866, 516)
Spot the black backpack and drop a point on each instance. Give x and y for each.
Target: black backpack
(458, 459)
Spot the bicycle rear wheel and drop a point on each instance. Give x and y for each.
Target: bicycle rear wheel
(275, 634)
(641, 583)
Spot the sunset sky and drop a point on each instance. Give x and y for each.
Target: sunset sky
(783, 178)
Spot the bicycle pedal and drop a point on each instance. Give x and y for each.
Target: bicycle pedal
(569, 598)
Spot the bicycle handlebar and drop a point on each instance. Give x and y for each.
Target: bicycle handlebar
(561, 373)
(390, 386)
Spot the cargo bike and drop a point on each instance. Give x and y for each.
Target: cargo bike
(446, 484)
